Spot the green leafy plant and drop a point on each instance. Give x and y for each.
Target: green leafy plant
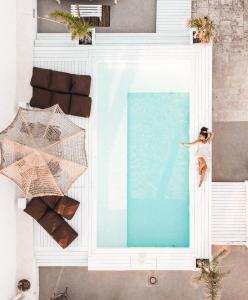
(75, 25)
(211, 275)
(204, 26)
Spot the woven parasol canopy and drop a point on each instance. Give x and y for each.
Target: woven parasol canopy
(42, 151)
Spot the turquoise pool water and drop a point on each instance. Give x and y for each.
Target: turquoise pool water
(157, 170)
(142, 174)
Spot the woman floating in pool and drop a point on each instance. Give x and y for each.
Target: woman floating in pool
(203, 153)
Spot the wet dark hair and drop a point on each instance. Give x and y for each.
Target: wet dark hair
(204, 132)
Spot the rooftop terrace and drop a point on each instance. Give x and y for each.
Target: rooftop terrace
(230, 163)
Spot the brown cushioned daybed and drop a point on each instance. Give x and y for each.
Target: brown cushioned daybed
(64, 206)
(69, 91)
(48, 212)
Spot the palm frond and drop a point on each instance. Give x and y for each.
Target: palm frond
(211, 276)
(77, 27)
(219, 256)
(204, 26)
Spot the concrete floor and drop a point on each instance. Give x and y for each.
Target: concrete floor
(230, 159)
(132, 285)
(126, 16)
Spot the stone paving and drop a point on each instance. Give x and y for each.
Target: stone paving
(230, 57)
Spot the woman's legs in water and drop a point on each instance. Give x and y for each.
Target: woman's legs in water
(202, 169)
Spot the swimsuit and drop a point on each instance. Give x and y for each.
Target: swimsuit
(203, 150)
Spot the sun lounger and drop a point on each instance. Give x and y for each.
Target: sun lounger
(53, 222)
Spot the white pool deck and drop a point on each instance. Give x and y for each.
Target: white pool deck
(84, 250)
(219, 213)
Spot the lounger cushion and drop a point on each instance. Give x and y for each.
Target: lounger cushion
(81, 85)
(69, 91)
(40, 209)
(61, 82)
(50, 201)
(51, 221)
(41, 78)
(41, 98)
(36, 208)
(64, 235)
(63, 100)
(80, 106)
(67, 207)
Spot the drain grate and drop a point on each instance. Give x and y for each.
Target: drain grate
(152, 280)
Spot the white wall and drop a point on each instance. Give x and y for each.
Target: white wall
(25, 262)
(25, 22)
(7, 189)
(25, 37)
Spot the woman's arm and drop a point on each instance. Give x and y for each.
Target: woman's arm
(190, 144)
(210, 137)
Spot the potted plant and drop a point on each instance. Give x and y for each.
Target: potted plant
(61, 296)
(211, 275)
(203, 29)
(78, 28)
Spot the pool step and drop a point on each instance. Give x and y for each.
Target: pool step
(102, 39)
(175, 259)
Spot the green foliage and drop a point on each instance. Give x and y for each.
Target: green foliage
(77, 27)
(205, 27)
(211, 276)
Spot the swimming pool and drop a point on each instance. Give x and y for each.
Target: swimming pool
(157, 170)
(142, 172)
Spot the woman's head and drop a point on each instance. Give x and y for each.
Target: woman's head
(203, 134)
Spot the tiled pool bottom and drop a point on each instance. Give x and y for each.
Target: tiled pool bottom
(156, 210)
(158, 168)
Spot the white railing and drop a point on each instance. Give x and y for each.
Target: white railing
(85, 11)
(115, 39)
(230, 213)
(172, 16)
